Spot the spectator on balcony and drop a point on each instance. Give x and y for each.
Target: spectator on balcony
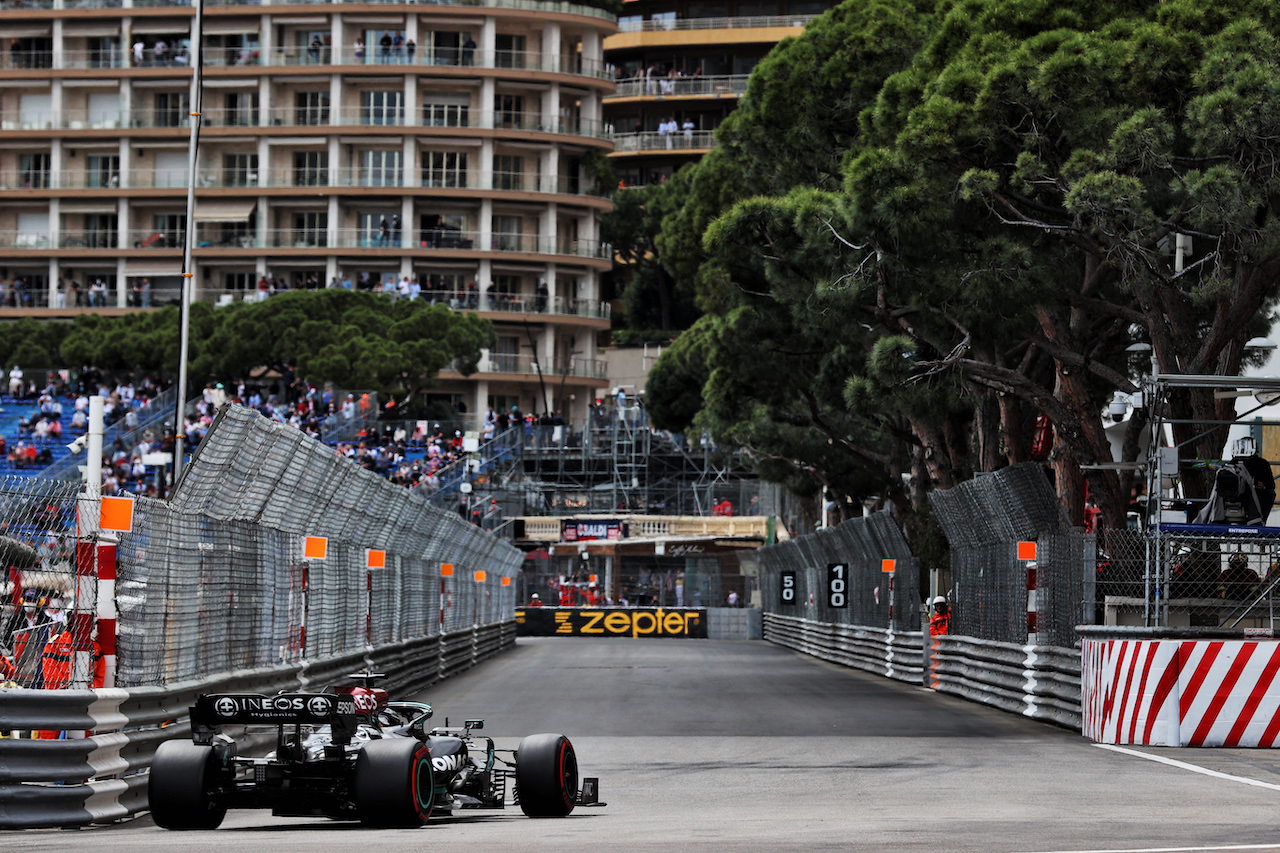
(384, 43)
(139, 53)
(359, 49)
(313, 52)
(395, 230)
(98, 293)
(384, 232)
(15, 53)
(687, 127)
(410, 48)
(543, 295)
(397, 46)
(468, 50)
(161, 52)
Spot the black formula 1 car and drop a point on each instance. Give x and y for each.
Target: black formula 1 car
(351, 754)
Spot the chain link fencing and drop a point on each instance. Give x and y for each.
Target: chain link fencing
(218, 579)
(1194, 577)
(859, 544)
(984, 520)
(38, 591)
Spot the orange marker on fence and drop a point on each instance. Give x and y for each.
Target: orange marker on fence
(116, 514)
(315, 548)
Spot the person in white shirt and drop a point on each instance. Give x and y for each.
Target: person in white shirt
(15, 382)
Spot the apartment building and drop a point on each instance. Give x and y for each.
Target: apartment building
(359, 142)
(685, 63)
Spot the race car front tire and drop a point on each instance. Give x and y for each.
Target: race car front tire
(178, 789)
(394, 784)
(546, 776)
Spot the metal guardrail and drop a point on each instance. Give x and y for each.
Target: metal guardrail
(102, 777)
(1040, 682)
(894, 654)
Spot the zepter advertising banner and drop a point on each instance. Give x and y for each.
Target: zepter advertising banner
(678, 622)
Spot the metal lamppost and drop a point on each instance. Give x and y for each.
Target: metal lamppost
(188, 267)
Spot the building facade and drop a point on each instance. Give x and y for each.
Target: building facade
(682, 66)
(341, 144)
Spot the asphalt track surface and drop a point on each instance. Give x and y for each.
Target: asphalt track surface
(745, 746)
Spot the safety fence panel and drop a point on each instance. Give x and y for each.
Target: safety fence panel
(992, 594)
(38, 588)
(796, 576)
(99, 773)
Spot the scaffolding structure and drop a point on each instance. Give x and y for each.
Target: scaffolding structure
(616, 462)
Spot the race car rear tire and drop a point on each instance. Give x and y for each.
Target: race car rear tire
(394, 783)
(178, 789)
(546, 776)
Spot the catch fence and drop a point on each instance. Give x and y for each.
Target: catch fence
(861, 545)
(219, 579)
(984, 520)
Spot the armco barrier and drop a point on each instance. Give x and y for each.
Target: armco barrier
(1180, 686)
(897, 655)
(1040, 682)
(101, 777)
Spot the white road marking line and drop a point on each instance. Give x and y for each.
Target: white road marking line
(1170, 849)
(1194, 769)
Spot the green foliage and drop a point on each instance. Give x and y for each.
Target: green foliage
(359, 340)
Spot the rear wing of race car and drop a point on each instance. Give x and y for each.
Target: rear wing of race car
(214, 710)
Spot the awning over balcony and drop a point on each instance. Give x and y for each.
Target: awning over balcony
(224, 210)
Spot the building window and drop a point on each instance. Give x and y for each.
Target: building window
(444, 169)
(446, 115)
(509, 51)
(382, 107)
(508, 111)
(239, 170)
(381, 168)
(101, 230)
(508, 174)
(240, 109)
(170, 228)
(373, 232)
(102, 171)
(311, 228)
(238, 281)
(171, 109)
(311, 168)
(104, 52)
(312, 108)
(506, 233)
(35, 169)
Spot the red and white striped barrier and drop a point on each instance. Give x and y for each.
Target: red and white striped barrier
(1181, 692)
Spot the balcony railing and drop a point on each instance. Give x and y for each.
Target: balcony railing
(525, 364)
(729, 85)
(532, 182)
(219, 57)
(73, 119)
(529, 5)
(519, 303)
(652, 141)
(748, 22)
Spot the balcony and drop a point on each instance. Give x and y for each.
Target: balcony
(528, 5)
(727, 86)
(650, 141)
(751, 22)
(519, 303)
(525, 365)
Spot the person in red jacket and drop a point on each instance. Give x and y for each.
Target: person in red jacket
(535, 601)
(59, 662)
(940, 621)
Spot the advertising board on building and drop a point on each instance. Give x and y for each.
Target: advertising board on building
(677, 622)
(591, 529)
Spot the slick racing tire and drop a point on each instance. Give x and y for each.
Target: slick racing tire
(546, 776)
(394, 784)
(181, 773)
